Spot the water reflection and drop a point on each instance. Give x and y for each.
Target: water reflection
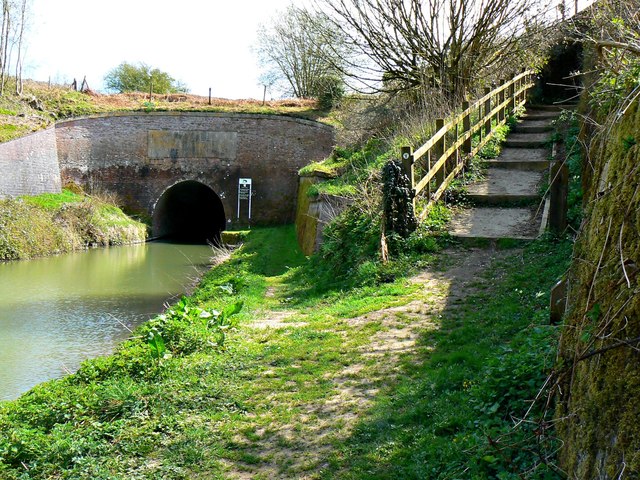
(56, 312)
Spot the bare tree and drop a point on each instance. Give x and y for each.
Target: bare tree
(448, 44)
(4, 43)
(12, 31)
(615, 24)
(303, 51)
(20, 35)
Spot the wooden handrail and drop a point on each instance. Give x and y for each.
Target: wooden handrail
(510, 96)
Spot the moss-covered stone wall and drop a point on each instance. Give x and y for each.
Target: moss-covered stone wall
(314, 211)
(599, 408)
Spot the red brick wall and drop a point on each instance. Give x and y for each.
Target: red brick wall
(139, 156)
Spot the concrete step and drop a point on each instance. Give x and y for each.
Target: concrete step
(541, 115)
(556, 107)
(487, 223)
(529, 159)
(505, 186)
(527, 140)
(534, 126)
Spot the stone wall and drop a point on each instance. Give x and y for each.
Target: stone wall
(139, 156)
(29, 165)
(599, 395)
(314, 212)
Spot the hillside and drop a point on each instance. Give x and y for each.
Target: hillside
(42, 104)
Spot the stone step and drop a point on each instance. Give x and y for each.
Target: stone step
(491, 223)
(530, 159)
(505, 186)
(527, 140)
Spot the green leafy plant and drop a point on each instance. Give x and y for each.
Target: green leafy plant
(185, 328)
(156, 344)
(628, 142)
(148, 106)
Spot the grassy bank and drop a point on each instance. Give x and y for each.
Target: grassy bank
(50, 224)
(274, 370)
(41, 105)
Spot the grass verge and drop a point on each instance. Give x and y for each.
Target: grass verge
(398, 378)
(41, 105)
(50, 224)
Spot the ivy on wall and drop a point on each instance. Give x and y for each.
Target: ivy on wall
(397, 199)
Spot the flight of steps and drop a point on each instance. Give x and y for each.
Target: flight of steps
(506, 204)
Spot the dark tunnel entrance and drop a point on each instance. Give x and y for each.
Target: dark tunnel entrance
(559, 82)
(189, 212)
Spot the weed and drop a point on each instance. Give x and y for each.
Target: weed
(628, 142)
(567, 130)
(148, 106)
(493, 148)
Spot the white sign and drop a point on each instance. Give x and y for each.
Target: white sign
(244, 193)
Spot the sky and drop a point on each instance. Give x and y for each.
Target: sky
(202, 43)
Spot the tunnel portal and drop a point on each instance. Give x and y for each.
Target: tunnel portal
(189, 212)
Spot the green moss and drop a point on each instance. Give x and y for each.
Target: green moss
(348, 167)
(234, 237)
(336, 188)
(8, 131)
(53, 201)
(320, 168)
(599, 403)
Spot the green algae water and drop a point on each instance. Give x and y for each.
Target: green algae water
(56, 312)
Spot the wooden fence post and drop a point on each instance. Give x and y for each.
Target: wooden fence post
(455, 158)
(558, 302)
(501, 98)
(429, 163)
(521, 83)
(466, 126)
(480, 130)
(487, 110)
(408, 162)
(438, 150)
(558, 198)
(512, 98)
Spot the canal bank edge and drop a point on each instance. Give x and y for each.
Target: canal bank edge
(51, 224)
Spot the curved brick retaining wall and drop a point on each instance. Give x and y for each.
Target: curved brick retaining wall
(140, 156)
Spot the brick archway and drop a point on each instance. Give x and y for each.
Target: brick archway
(189, 211)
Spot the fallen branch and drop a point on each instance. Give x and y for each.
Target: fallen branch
(621, 343)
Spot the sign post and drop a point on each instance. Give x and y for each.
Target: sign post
(244, 193)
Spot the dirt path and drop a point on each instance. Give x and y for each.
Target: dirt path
(299, 446)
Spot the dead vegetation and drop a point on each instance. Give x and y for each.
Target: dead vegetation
(41, 105)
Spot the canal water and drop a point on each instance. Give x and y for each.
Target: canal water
(56, 312)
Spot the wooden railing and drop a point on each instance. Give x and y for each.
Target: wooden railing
(440, 161)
